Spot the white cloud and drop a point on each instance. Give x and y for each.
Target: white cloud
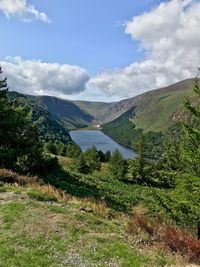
(36, 77)
(23, 10)
(169, 35)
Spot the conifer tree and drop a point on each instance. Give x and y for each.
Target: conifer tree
(92, 159)
(190, 147)
(20, 148)
(117, 165)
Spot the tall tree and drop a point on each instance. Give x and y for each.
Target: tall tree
(117, 165)
(190, 148)
(19, 145)
(92, 159)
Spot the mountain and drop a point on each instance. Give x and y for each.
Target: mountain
(153, 112)
(98, 110)
(69, 115)
(48, 127)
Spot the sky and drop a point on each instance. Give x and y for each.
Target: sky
(98, 50)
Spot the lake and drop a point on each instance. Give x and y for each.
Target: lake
(86, 139)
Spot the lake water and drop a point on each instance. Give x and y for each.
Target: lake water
(86, 139)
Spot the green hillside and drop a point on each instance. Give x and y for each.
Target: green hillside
(65, 112)
(91, 220)
(48, 128)
(98, 110)
(153, 112)
(157, 111)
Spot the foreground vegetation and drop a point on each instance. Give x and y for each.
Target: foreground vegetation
(96, 209)
(41, 226)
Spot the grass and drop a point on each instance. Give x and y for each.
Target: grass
(36, 234)
(41, 196)
(98, 221)
(118, 195)
(161, 110)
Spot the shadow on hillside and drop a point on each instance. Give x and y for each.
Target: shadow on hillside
(75, 186)
(151, 183)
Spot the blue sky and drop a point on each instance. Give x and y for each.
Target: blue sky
(84, 33)
(92, 35)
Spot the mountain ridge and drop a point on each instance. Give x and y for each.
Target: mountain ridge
(153, 111)
(75, 114)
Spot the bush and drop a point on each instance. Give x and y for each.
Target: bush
(10, 177)
(183, 243)
(141, 222)
(166, 178)
(49, 164)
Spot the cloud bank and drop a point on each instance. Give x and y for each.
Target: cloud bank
(23, 10)
(169, 36)
(36, 77)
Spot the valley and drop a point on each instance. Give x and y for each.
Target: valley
(153, 113)
(136, 202)
(100, 133)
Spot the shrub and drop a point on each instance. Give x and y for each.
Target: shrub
(141, 222)
(10, 177)
(181, 242)
(7, 176)
(166, 178)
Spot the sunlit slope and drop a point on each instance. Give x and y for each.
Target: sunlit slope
(158, 109)
(98, 110)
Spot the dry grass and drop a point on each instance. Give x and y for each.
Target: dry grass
(39, 190)
(89, 205)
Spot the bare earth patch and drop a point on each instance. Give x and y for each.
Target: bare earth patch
(6, 197)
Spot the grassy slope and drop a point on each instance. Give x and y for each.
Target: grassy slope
(41, 226)
(97, 109)
(158, 109)
(46, 233)
(65, 112)
(154, 112)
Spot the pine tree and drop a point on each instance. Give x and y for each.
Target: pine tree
(190, 148)
(20, 148)
(92, 159)
(3, 85)
(81, 165)
(117, 165)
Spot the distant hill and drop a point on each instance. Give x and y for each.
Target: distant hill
(48, 127)
(153, 112)
(69, 115)
(156, 109)
(98, 110)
